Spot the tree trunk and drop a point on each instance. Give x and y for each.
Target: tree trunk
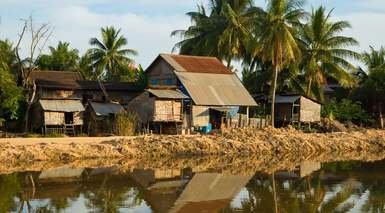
(229, 63)
(274, 194)
(275, 76)
(380, 115)
(30, 102)
(308, 89)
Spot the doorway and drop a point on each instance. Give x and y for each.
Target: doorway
(69, 117)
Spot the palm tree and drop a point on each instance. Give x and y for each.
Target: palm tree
(61, 58)
(325, 54)
(108, 55)
(221, 33)
(278, 43)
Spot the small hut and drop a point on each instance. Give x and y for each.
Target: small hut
(162, 108)
(296, 109)
(101, 116)
(58, 116)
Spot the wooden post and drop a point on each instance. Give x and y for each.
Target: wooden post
(248, 116)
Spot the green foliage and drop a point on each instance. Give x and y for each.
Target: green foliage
(345, 110)
(61, 58)
(126, 124)
(222, 32)
(325, 52)
(108, 57)
(10, 94)
(372, 83)
(9, 187)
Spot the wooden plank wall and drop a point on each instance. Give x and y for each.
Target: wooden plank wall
(200, 116)
(167, 110)
(54, 118)
(310, 110)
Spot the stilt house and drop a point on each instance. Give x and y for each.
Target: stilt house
(296, 109)
(61, 99)
(209, 92)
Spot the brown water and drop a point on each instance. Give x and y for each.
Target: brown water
(351, 186)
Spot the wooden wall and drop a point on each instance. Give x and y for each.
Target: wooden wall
(143, 105)
(310, 110)
(54, 118)
(161, 71)
(58, 94)
(200, 116)
(58, 118)
(283, 112)
(167, 110)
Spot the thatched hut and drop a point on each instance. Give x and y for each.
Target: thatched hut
(162, 108)
(100, 117)
(296, 109)
(58, 116)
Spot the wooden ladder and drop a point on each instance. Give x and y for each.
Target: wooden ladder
(69, 129)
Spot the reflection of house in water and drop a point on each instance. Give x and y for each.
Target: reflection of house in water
(305, 169)
(62, 174)
(208, 192)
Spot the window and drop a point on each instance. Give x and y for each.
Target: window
(154, 81)
(168, 81)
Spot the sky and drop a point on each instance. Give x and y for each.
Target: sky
(147, 24)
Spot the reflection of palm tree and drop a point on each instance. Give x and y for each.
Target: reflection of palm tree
(376, 197)
(111, 197)
(9, 187)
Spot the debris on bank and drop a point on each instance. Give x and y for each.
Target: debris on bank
(236, 142)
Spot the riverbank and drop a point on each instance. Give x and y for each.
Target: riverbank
(239, 143)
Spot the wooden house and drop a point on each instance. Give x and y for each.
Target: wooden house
(296, 109)
(213, 91)
(70, 85)
(58, 116)
(57, 92)
(100, 117)
(160, 107)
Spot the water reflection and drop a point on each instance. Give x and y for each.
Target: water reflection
(309, 187)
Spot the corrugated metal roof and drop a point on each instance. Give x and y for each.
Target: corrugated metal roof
(61, 172)
(168, 93)
(105, 109)
(222, 188)
(198, 64)
(215, 89)
(286, 99)
(62, 105)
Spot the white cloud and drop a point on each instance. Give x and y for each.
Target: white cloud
(150, 35)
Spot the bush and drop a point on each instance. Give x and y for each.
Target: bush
(125, 124)
(346, 110)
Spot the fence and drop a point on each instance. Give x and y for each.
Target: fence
(241, 121)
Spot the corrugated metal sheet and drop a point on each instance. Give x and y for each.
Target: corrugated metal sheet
(215, 89)
(222, 188)
(286, 99)
(62, 105)
(105, 109)
(61, 172)
(167, 93)
(198, 64)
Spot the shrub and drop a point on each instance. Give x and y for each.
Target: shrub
(346, 110)
(126, 124)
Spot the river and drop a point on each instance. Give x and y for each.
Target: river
(309, 186)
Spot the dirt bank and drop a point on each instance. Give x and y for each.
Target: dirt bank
(241, 143)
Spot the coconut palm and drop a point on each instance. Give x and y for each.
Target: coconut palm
(61, 58)
(221, 33)
(108, 55)
(325, 54)
(278, 43)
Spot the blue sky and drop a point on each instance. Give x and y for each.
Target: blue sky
(147, 24)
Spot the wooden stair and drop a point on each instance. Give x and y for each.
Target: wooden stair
(69, 129)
